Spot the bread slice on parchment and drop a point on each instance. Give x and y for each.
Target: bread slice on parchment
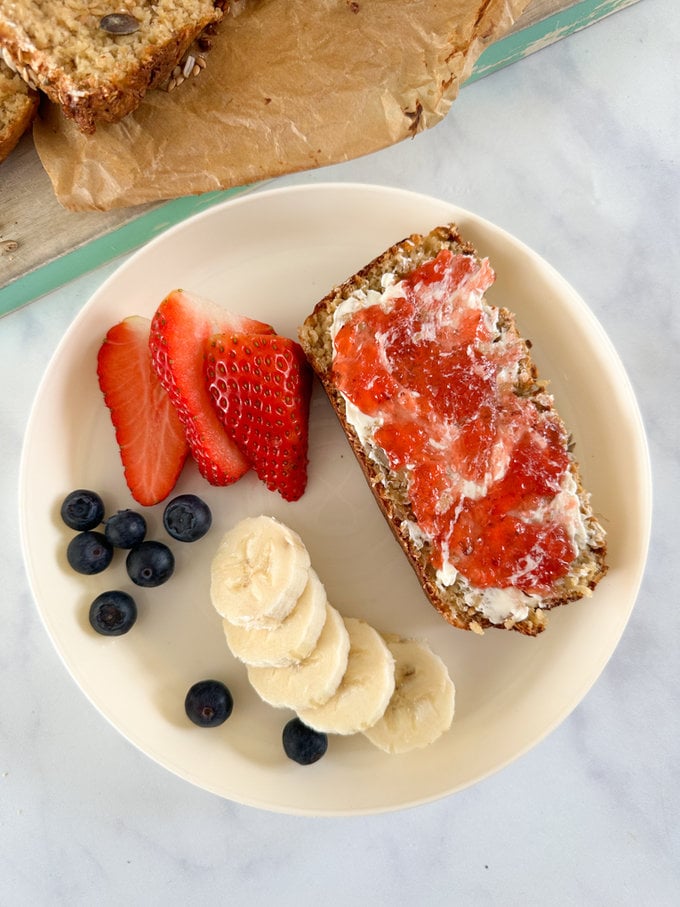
(456, 435)
(96, 59)
(18, 106)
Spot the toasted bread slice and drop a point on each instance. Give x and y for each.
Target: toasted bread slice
(480, 575)
(18, 106)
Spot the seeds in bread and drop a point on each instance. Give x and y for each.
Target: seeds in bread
(96, 73)
(463, 604)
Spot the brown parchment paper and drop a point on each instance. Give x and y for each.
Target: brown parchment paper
(289, 85)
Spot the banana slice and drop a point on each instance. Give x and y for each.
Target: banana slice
(423, 703)
(365, 690)
(258, 573)
(310, 682)
(290, 642)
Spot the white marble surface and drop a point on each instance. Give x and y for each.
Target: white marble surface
(576, 151)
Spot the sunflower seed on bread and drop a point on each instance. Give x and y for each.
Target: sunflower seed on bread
(96, 59)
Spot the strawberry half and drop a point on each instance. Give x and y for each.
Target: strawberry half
(260, 385)
(150, 436)
(181, 325)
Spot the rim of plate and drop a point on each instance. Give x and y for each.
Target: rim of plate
(264, 197)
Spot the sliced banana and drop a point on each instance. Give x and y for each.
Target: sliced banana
(290, 642)
(365, 690)
(310, 682)
(258, 573)
(423, 703)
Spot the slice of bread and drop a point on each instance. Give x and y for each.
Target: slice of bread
(521, 604)
(98, 60)
(18, 106)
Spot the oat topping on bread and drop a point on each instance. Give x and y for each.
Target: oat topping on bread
(95, 60)
(458, 439)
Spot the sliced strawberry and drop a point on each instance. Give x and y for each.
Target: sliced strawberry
(260, 385)
(180, 326)
(151, 438)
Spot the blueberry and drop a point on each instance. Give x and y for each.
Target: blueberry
(125, 529)
(89, 552)
(113, 613)
(208, 703)
(82, 509)
(187, 518)
(303, 744)
(150, 563)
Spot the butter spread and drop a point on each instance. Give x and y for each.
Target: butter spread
(428, 381)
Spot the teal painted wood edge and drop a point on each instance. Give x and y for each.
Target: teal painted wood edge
(106, 248)
(134, 234)
(520, 44)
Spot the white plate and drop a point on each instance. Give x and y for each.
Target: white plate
(272, 255)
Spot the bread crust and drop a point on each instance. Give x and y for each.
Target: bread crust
(18, 107)
(454, 603)
(116, 87)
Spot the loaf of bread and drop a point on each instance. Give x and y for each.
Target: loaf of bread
(97, 60)
(456, 435)
(18, 106)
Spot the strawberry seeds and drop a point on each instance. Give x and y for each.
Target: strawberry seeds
(200, 380)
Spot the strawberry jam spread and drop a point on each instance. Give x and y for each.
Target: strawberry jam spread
(428, 378)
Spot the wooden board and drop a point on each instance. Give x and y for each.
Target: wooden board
(47, 246)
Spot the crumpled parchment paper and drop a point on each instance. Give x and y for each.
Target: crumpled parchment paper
(289, 85)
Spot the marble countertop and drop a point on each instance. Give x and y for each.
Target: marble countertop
(574, 150)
